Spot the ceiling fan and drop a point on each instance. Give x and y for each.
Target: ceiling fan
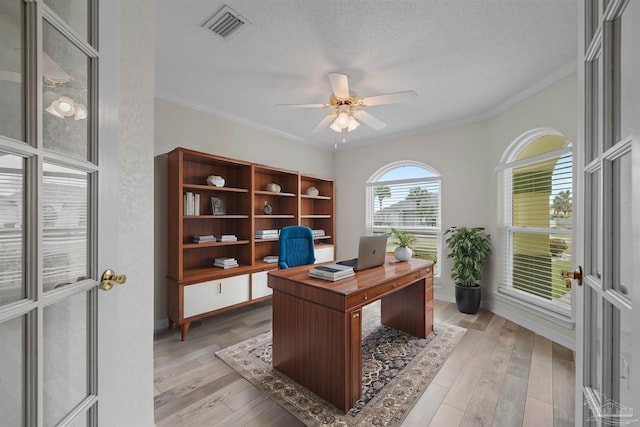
(347, 107)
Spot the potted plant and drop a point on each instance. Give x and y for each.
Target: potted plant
(404, 240)
(469, 248)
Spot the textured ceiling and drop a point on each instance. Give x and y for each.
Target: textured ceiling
(466, 59)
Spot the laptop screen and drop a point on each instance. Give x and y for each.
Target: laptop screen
(371, 251)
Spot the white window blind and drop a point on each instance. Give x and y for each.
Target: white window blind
(538, 231)
(412, 205)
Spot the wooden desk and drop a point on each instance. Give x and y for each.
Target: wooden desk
(317, 324)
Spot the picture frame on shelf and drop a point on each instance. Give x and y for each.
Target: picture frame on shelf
(217, 206)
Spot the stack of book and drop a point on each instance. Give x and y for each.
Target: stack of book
(266, 234)
(270, 258)
(209, 238)
(331, 272)
(227, 238)
(317, 233)
(225, 262)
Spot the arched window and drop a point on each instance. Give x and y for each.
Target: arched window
(537, 219)
(406, 195)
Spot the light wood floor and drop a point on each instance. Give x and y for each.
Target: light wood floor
(500, 374)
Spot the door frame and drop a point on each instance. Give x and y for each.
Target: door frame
(107, 103)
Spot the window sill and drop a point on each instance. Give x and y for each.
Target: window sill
(520, 300)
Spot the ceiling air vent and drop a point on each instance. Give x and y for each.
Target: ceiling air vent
(225, 22)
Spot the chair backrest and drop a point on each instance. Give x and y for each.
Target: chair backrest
(295, 247)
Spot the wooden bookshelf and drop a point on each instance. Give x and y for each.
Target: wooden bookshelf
(198, 289)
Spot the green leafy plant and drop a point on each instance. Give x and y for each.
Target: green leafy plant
(402, 238)
(469, 248)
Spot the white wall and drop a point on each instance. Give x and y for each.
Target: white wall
(181, 126)
(135, 206)
(465, 156)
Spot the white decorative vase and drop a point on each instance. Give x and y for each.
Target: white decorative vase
(313, 191)
(215, 180)
(403, 253)
(273, 187)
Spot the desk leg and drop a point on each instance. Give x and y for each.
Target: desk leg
(312, 344)
(356, 357)
(410, 309)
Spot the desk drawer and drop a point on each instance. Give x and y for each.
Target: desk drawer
(367, 296)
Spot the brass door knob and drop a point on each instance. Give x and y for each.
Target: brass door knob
(568, 275)
(109, 278)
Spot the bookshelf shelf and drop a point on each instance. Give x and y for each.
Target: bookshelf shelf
(216, 216)
(271, 193)
(214, 244)
(306, 196)
(197, 187)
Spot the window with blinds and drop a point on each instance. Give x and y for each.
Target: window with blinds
(537, 233)
(406, 196)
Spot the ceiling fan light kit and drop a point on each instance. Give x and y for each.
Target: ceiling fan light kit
(344, 120)
(347, 106)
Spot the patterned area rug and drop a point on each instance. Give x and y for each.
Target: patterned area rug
(396, 369)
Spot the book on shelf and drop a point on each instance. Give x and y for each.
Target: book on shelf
(317, 233)
(225, 260)
(204, 238)
(270, 258)
(267, 231)
(266, 235)
(227, 238)
(225, 266)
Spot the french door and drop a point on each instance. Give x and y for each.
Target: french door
(609, 161)
(51, 214)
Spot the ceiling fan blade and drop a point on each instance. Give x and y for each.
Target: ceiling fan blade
(302, 105)
(369, 119)
(339, 84)
(389, 98)
(324, 122)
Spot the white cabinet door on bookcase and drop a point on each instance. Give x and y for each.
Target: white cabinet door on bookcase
(259, 286)
(208, 296)
(324, 253)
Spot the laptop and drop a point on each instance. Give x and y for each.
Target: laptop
(371, 253)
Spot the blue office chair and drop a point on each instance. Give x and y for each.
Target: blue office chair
(295, 247)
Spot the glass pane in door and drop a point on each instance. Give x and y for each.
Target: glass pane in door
(592, 110)
(594, 342)
(12, 284)
(11, 69)
(73, 12)
(64, 212)
(65, 355)
(629, 83)
(593, 247)
(625, 358)
(12, 372)
(622, 254)
(65, 95)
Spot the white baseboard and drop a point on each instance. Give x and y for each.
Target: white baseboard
(541, 327)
